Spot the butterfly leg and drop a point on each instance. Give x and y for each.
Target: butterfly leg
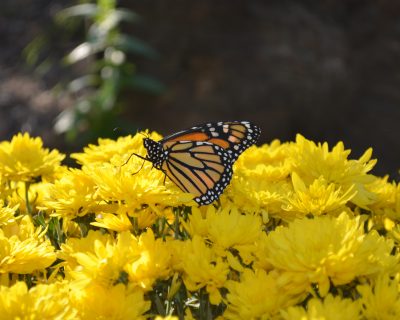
(137, 155)
(141, 167)
(165, 175)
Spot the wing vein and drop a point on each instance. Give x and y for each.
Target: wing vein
(176, 179)
(200, 169)
(186, 176)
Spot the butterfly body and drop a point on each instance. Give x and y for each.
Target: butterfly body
(199, 160)
(155, 152)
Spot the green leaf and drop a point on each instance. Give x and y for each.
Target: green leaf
(127, 15)
(112, 19)
(33, 50)
(39, 220)
(83, 82)
(145, 83)
(135, 45)
(80, 10)
(83, 51)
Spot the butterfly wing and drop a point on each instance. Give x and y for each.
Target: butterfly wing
(233, 136)
(199, 160)
(201, 168)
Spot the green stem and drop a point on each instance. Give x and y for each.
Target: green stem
(176, 223)
(135, 225)
(28, 205)
(162, 222)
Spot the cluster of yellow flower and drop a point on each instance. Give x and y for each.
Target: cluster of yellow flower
(302, 232)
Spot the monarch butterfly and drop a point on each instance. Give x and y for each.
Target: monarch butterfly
(199, 160)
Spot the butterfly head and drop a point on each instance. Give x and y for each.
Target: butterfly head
(155, 152)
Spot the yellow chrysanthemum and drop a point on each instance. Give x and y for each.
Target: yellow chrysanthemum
(166, 318)
(23, 249)
(316, 199)
(311, 161)
(387, 203)
(201, 267)
(124, 218)
(7, 214)
(97, 258)
(327, 249)
(101, 259)
(146, 217)
(261, 254)
(76, 245)
(226, 229)
(113, 222)
(36, 193)
(24, 159)
(152, 260)
(381, 299)
(71, 196)
(5, 188)
(270, 161)
(249, 252)
(22, 227)
(44, 301)
(393, 230)
(132, 191)
(132, 184)
(260, 182)
(256, 296)
(112, 302)
(71, 229)
(331, 308)
(107, 149)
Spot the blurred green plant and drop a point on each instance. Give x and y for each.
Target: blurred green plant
(107, 70)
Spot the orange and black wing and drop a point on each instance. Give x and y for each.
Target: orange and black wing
(201, 168)
(233, 136)
(199, 160)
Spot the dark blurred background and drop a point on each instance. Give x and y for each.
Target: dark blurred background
(329, 70)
